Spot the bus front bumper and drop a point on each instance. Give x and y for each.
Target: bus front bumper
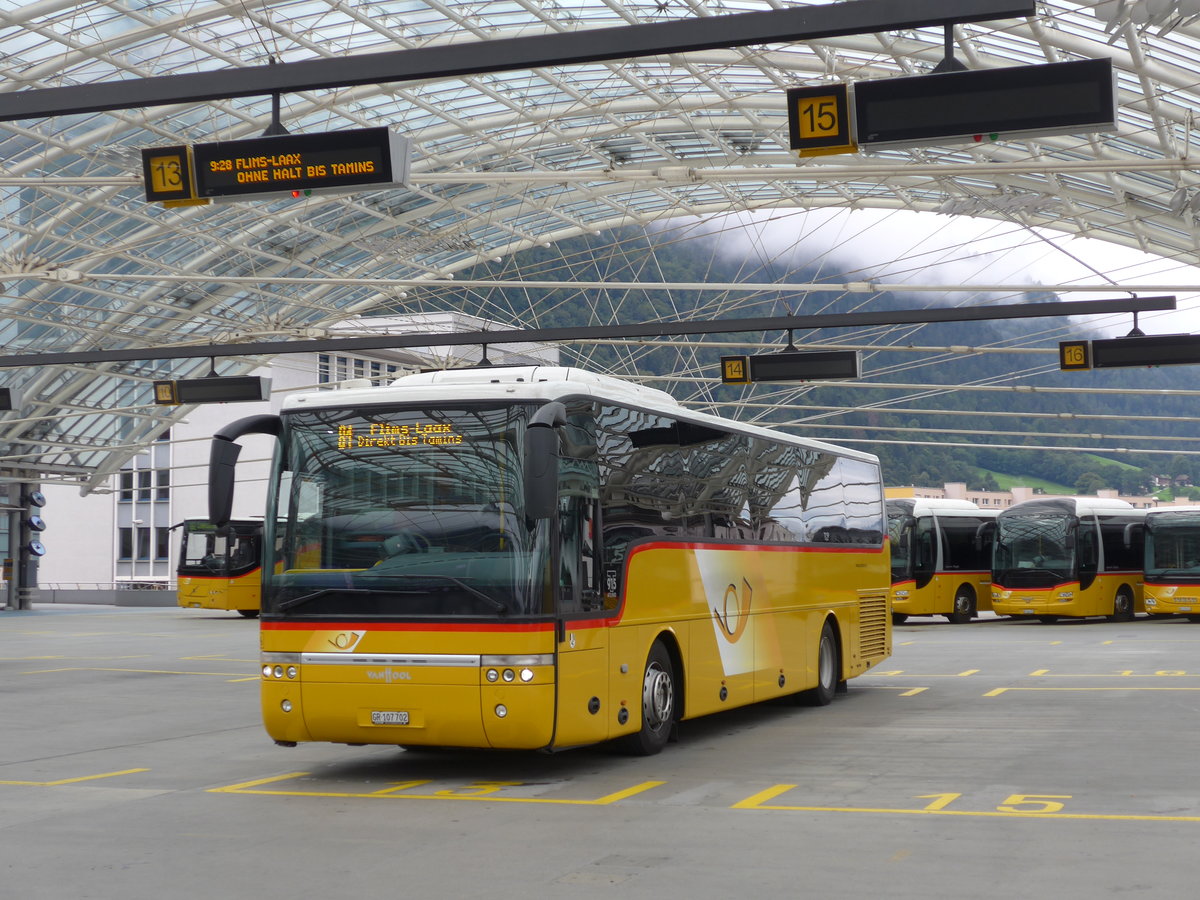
(492, 703)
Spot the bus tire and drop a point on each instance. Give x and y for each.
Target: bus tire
(1047, 620)
(248, 613)
(964, 605)
(1122, 606)
(899, 618)
(828, 670)
(1193, 618)
(658, 705)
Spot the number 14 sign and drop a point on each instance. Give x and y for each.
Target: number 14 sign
(819, 120)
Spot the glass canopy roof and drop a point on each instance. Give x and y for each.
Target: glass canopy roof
(502, 162)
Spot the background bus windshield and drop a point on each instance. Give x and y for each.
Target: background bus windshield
(1034, 550)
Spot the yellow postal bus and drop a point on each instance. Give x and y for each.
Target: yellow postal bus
(941, 558)
(220, 569)
(1068, 556)
(541, 558)
(1172, 567)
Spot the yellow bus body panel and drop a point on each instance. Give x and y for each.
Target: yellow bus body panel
(742, 623)
(936, 598)
(220, 592)
(1172, 599)
(1067, 599)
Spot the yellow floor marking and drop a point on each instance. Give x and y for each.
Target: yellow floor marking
(913, 692)
(393, 792)
(1038, 672)
(1120, 674)
(75, 780)
(900, 855)
(895, 672)
(235, 676)
(996, 692)
(759, 801)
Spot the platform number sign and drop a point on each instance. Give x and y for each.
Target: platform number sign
(819, 120)
(735, 370)
(1074, 355)
(167, 172)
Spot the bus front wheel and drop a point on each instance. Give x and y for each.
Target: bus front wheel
(658, 704)
(1122, 606)
(899, 618)
(248, 613)
(964, 606)
(828, 670)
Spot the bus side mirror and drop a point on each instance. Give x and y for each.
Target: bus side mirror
(983, 534)
(1129, 535)
(541, 461)
(222, 462)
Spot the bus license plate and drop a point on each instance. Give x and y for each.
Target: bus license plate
(389, 718)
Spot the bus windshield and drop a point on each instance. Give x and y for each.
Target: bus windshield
(400, 512)
(1034, 550)
(207, 550)
(1173, 548)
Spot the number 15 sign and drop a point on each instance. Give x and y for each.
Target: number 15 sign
(819, 120)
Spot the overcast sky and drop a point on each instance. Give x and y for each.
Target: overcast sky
(926, 248)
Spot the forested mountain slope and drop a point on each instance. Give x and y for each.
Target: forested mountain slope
(912, 429)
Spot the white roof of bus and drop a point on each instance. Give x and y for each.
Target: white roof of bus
(509, 383)
(1083, 505)
(1167, 510)
(947, 507)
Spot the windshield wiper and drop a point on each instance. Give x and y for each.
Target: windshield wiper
(495, 604)
(305, 598)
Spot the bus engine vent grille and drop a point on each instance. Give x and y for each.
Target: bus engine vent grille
(873, 626)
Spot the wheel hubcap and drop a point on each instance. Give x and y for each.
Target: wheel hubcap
(658, 697)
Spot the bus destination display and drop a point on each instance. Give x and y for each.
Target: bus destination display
(382, 434)
(360, 158)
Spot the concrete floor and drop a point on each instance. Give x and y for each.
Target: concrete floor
(998, 759)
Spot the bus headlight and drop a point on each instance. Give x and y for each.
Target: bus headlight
(527, 675)
(501, 710)
(492, 675)
(509, 675)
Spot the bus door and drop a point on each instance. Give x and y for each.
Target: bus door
(582, 714)
(1087, 552)
(925, 551)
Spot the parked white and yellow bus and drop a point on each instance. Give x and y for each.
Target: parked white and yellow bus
(1069, 556)
(941, 558)
(541, 558)
(1172, 566)
(220, 568)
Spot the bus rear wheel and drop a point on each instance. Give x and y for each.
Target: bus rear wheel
(828, 670)
(899, 618)
(658, 705)
(964, 606)
(248, 613)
